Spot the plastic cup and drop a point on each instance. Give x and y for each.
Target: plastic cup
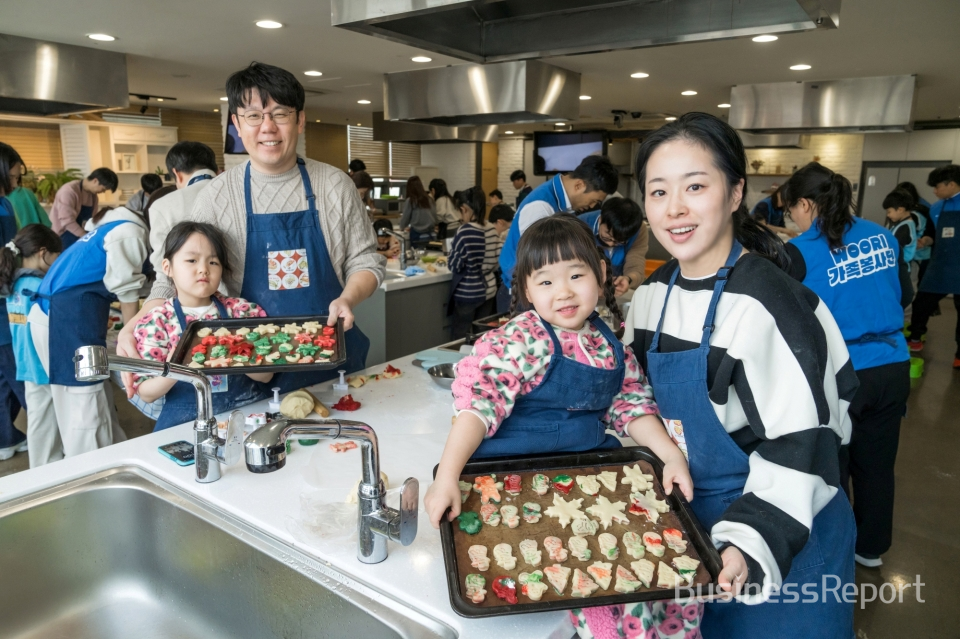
(916, 367)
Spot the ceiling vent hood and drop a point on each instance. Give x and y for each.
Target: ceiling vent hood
(856, 105)
(47, 78)
(396, 131)
(476, 95)
(500, 30)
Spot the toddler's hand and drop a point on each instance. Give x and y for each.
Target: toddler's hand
(440, 496)
(676, 471)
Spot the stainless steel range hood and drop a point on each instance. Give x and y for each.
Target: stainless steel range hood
(47, 78)
(397, 131)
(477, 95)
(499, 30)
(855, 105)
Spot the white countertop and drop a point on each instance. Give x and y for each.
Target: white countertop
(394, 283)
(411, 416)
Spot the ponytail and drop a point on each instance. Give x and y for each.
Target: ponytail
(27, 243)
(831, 195)
(610, 296)
(757, 238)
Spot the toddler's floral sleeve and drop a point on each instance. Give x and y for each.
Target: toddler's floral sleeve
(635, 398)
(153, 334)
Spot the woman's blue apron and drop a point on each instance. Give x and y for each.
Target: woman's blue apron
(199, 178)
(564, 412)
(67, 238)
(720, 468)
(943, 273)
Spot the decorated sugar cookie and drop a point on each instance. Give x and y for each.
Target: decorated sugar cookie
(510, 517)
(626, 581)
(541, 484)
(579, 548)
(653, 543)
(469, 522)
(666, 577)
(290, 329)
(583, 585)
(465, 488)
(563, 484)
(584, 527)
(489, 489)
(636, 478)
(647, 504)
(511, 484)
(478, 557)
(565, 510)
(221, 332)
(531, 584)
(633, 544)
(608, 512)
(267, 329)
(203, 332)
(505, 588)
(558, 576)
(609, 479)
(489, 514)
(674, 540)
(503, 555)
(554, 547)
(529, 552)
(643, 569)
(608, 546)
(588, 484)
(686, 567)
(602, 573)
(531, 512)
(475, 584)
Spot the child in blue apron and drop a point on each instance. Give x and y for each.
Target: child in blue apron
(195, 259)
(554, 378)
(751, 374)
(23, 263)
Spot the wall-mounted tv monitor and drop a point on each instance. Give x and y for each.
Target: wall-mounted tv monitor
(563, 151)
(232, 144)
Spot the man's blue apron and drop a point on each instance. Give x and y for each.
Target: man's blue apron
(67, 238)
(616, 254)
(199, 178)
(720, 468)
(943, 273)
(564, 412)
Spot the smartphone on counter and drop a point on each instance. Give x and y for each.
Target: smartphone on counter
(180, 452)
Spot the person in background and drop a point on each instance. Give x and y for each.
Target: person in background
(496, 198)
(623, 237)
(942, 277)
(924, 206)
(419, 213)
(149, 183)
(364, 184)
(387, 245)
(519, 180)
(926, 229)
(501, 216)
(23, 263)
(448, 217)
(12, 441)
(26, 206)
(473, 262)
(904, 223)
(857, 268)
(356, 166)
(585, 188)
(769, 212)
(76, 202)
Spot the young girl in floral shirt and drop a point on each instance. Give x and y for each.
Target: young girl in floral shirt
(550, 380)
(195, 259)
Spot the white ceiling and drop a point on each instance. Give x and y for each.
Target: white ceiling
(187, 48)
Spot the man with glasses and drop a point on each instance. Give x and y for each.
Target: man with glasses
(620, 232)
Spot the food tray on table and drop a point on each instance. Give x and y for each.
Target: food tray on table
(328, 349)
(484, 324)
(456, 542)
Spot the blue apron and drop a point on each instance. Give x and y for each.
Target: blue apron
(8, 231)
(719, 469)
(199, 178)
(943, 273)
(67, 238)
(563, 413)
(180, 403)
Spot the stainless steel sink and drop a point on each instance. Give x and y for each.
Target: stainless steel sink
(123, 554)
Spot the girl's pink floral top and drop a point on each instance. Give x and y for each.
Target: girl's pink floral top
(158, 332)
(511, 360)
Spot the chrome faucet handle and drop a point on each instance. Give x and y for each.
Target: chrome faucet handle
(230, 451)
(409, 512)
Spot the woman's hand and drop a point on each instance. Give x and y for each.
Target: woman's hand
(341, 308)
(676, 471)
(441, 495)
(734, 573)
(621, 285)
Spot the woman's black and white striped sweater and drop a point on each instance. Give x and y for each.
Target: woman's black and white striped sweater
(780, 381)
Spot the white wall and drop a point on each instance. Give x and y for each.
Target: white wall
(456, 161)
(913, 146)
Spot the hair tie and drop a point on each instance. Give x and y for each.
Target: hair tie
(13, 247)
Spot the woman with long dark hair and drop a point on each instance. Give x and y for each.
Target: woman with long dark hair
(419, 214)
(856, 267)
(447, 211)
(474, 257)
(752, 379)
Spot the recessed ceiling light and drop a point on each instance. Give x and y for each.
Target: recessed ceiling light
(688, 93)
(363, 101)
(359, 124)
(586, 97)
(508, 132)
(318, 120)
(159, 99)
(268, 24)
(421, 58)
(314, 73)
(800, 67)
(224, 99)
(639, 75)
(670, 118)
(216, 110)
(560, 124)
(101, 37)
(724, 106)
(765, 38)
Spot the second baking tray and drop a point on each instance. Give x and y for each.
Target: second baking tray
(181, 355)
(699, 538)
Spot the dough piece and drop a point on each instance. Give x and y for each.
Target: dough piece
(478, 557)
(653, 543)
(318, 407)
(489, 489)
(541, 484)
(554, 547)
(469, 522)
(686, 567)
(342, 447)
(608, 546)
(272, 357)
(391, 373)
(475, 591)
(634, 545)
(511, 484)
(674, 540)
(531, 512)
(503, 554)
(602, 573)
(608, 512)
(510, 517)
(285, 349)
(626, 581)
(579, 548)
(203, 332)
(297, 405)
(583, 585)
(267, 329)
(290, 329)
(489, 514)
(666, 577)
(195, 365)
(588, 484)
(584, 527)
(647, 504)
(356, 382)
(609, 479)
(352, 495)
(505, 588)
(218, 362)
(558, 576)
(465, 488)
(563, 484)
(636, 478)
(565, 510)
(312, 327)
(221, 332)
(243, 330)
(529, 552)
(531, 584)
(644, 571)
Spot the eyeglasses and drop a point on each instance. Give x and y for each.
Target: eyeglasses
(255, 118)
(608, 240)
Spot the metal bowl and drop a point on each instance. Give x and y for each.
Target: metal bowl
(442, 375)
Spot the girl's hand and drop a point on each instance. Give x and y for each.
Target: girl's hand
(441, 495)
(676, 471)
(734, 573)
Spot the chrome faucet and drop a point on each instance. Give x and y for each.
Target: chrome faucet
(265, 452)
(91, 363)
(404, 246)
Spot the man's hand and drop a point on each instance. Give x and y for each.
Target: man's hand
(734, 574)
(341, 308)
(621, 285)
(924, 242)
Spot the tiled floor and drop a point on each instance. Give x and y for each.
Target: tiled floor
(926, 538)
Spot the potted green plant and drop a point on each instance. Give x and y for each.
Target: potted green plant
(49, 183)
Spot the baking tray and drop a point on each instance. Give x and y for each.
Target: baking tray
(482, 325)
(589, 462)
(181, 355)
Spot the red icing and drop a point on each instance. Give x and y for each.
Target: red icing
(209, 340)
(637, 510)
(346, 403)
(390, 369)
(511, 483)
(303, 338)
(329, 330)
(199, 348)
(560, 488)
(325, 342)
(505, 588)
(243, 348)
